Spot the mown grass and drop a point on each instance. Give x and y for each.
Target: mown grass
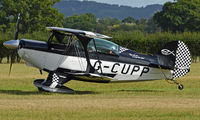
(20, 100)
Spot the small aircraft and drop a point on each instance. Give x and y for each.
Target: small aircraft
(71, 54)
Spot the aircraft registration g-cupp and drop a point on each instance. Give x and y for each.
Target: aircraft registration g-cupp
(72, 54)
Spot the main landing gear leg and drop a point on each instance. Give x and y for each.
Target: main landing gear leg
(180, 86)
(54, 83)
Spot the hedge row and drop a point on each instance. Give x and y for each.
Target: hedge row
(151, 43)
(141, 42)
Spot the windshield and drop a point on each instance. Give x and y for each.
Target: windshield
(103, 46)
(60, 38)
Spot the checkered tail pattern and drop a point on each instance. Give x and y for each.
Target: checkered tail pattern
(183, 60)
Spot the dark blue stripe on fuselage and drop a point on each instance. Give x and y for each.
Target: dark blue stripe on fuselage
(129, 57)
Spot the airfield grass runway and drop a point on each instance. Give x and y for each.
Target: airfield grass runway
(20, 100)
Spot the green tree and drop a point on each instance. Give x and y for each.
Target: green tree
(35, 14)
(142, 21)
(182, 15)
(109, 21)
(128, 20)
(83, 22)
(151, 26)
(107, 24)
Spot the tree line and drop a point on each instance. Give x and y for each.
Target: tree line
(142, 35)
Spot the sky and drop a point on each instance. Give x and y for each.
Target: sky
(133, 3)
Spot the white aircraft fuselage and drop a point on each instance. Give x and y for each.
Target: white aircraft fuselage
(115, 71)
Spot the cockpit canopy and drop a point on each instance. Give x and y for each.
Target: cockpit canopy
(95, 45)
(101, 46)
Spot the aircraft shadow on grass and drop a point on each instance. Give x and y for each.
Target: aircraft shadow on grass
(19, 92)
(146, 91)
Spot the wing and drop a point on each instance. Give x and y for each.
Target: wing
(76, 32)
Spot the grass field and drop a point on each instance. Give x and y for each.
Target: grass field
(20, 100)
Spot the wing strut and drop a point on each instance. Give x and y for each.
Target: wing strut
(97, 55)
(84, 41)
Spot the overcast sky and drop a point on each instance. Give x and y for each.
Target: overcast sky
(133, 3)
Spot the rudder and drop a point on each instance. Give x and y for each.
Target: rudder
(183, 60)
(175, 55)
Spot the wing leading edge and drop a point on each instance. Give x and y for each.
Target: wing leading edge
(87, 34)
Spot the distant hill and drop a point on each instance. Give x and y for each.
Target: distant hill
(102, 10)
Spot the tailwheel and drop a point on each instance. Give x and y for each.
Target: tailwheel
(180, 86)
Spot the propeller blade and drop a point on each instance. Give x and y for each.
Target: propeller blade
(12, 60)
(17, 28)
(13, 44)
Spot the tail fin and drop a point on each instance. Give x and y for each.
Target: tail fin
(176, 56)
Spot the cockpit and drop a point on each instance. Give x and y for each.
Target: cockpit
(103, 46)
(96, 45)
(100, 46)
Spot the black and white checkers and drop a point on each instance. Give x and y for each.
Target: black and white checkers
(183, 60)
(55, 80)
(122, 49)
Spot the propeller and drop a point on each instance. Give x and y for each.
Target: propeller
(16, 42)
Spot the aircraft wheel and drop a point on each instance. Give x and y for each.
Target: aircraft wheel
(180, 87)
(38, 84)
(41, 90)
